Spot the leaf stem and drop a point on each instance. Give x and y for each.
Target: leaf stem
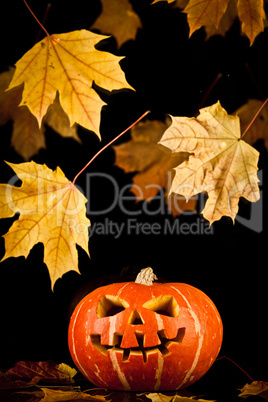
(37, 20)
(107, 145)
(237, 365)
(208, 91)
(254, 118)
(43, 22)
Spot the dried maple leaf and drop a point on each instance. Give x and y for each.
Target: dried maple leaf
(152, 163)
(217, 16)
(8, 100)
(58, 120)
(225, 23)
(169, 1)
(178, 398)
(52, 211)
(11, 383)
(52, 395)
(27, 138)
(258, 130)
(206, 12)
(68, 63)
(251, 14)
(46, 371)
(255, 388)
(223, 164)
(119, 19)
(158, 397)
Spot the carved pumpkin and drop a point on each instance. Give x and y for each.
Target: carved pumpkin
(137, 337)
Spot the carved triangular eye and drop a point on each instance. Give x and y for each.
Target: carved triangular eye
(135, 318)
(164, 304)
(110, 305)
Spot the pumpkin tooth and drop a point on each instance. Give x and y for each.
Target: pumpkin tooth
(178, 338)
(126, 353)
(139, 350)
(96, 341)
(180, 335)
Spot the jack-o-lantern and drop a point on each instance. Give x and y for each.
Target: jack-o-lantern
(145, 337)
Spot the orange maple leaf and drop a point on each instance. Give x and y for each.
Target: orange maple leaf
(52, 211)
(206, 12)
(119, 19)
(68, 63)
(251, 14)
(225, 23)
(217, 16)
(222, 163)
(152, 163)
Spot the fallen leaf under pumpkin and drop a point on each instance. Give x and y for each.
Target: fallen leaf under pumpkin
(52, 395)
(52, 211)
(158, 397)
(255, 388)
(222, 164)
(45, 371)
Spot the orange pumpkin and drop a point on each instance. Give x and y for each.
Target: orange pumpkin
(145, 337)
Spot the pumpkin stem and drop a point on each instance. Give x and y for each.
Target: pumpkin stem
(146, 276)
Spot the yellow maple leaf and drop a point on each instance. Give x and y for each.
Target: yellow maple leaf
(225, 23)
(222, 163)
(217, 17)
(251, 14)
(68, 63)
(52, 211)
(169, 1)
(158, 397)
(57, 395)
(119, 19)
(8, 100)
(27, 137)
(206, 12)
(255, 388)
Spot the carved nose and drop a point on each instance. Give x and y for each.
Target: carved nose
(135, 318)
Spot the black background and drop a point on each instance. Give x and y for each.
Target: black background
(171, 74)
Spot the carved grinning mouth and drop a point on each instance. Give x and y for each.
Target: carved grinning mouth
(163, 347)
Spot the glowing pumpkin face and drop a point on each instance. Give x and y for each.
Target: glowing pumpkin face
(134, 337)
